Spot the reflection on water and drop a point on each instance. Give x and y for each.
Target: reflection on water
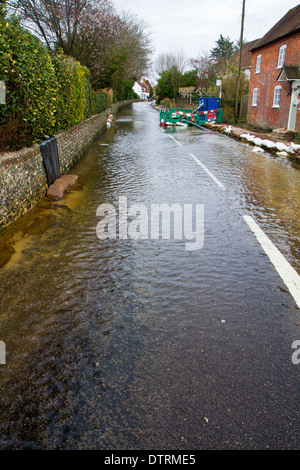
(268, 188)
(273, 190)
(132, 344)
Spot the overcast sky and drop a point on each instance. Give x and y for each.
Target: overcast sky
(194, 25)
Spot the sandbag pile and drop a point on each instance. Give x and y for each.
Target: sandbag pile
(109, 120)
(57, 189)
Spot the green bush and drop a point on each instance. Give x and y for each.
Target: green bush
(101, 102)
(31, 84)
(46, 93)
(89, 104)
(75, 101)
(64, 104)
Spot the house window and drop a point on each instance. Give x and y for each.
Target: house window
(281, 57)
(277, 93)
(258, 62)
(254, 97)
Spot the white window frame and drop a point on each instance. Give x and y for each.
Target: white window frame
(255, 97)
(277, 96)
(281, 56)
(258, 63)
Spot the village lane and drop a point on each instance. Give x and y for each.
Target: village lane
(184, 341)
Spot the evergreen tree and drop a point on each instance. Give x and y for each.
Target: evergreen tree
(168, 83)
(189, 79)
(220, 55)
(224, 49)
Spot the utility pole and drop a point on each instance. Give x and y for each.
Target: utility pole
(240, 58)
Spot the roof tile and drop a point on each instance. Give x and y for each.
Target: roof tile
(288, 24)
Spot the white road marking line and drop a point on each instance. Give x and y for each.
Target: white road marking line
(171, 137)
(287, 273)
(208, 172)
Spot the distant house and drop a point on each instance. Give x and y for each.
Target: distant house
(275, 75)
(142, 89)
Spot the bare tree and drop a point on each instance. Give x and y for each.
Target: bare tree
(166, 61)
(135, 37)
(63, 23)
(128, 54)
(92, 32)
(206, 69)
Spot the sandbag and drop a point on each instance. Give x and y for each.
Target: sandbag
(57, 189)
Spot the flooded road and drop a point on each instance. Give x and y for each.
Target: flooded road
(141, 343)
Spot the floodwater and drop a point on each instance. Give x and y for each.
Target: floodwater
(141, 343)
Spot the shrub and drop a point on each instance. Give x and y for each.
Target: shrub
(89, 103)
(46, 93)
(64, 100)
(31, 83)
(75, 101)
(101, 101)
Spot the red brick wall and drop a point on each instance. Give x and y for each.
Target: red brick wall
(264, 114)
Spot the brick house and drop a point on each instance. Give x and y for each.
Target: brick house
(245, 58)
(275, 76)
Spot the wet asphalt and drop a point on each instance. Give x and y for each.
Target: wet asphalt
(141, 343)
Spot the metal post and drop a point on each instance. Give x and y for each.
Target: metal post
(219, 83)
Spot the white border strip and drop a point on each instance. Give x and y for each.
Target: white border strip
(208, 172)
(287, 273)
(171, 137)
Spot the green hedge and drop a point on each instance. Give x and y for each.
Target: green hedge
(45, 93)
(101, 102)
(31, 84)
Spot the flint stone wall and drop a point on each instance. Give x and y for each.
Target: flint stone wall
(23, 180)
